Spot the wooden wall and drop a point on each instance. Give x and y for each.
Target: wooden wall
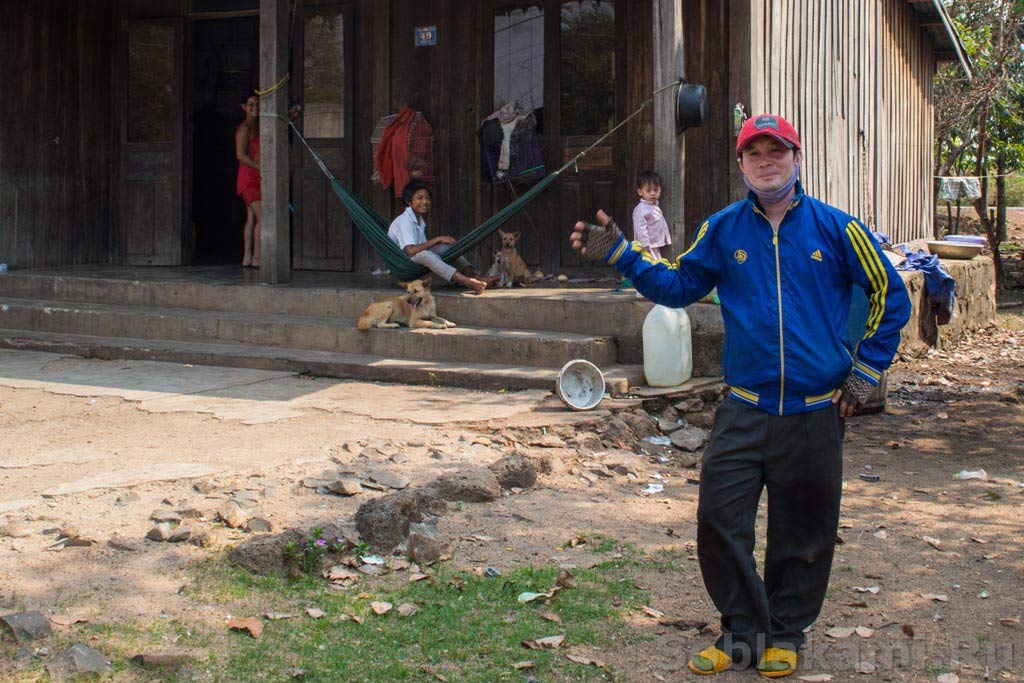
(55, 139)
(855, 78)
(708, 44)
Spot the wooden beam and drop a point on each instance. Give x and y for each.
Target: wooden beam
(275, 226)
(668, 147)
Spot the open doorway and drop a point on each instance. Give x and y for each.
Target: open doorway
(225, 66)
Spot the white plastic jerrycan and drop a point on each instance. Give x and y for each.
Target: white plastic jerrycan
(668, 354)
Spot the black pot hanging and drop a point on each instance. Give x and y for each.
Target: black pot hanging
(691, 105)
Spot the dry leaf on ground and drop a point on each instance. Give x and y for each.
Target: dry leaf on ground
(947, 678)
(651, 612)
(519, 666)
(815, 678)
(315, 612)
(549, 642)
(381, 608)
(866, 589)
(550, 616)
(840, 632)
(251, 624)
(585, 661)
(565, 579)
(407, 609)
(277, 616)
(935, 597)
(864, 631)
(64, 620)
(933, 542)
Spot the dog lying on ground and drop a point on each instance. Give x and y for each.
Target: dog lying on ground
(511, 266)
(416, 308)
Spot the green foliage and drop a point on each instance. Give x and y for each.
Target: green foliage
(468, 628)
(305, 559)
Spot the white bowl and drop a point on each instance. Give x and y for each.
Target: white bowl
(580, 384)
(944, 249)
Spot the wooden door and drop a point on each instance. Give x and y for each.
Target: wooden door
(586, 72)
(152, 143)
(322, 81)
(563, 58)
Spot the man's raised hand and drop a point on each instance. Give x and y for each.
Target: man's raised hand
(595, 241)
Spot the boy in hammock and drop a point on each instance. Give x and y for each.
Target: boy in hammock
(409, 231)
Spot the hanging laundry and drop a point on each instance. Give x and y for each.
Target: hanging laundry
(510, 145)
(939, 286)
(403, 149)
(955, 187)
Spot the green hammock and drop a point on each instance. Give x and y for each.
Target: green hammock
(374, 227)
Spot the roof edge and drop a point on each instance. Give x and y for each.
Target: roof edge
(954, 38)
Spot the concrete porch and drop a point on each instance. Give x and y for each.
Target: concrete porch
(223, 315)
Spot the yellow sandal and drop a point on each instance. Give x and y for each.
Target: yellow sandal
(710, 661)
(777, 662)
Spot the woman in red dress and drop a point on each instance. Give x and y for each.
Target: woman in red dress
(247, 151)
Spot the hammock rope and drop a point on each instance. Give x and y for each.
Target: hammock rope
(374, 227)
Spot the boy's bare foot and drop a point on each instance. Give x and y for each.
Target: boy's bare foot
(477, 286)
(246, 264)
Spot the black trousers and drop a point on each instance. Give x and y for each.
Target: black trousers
(798, 460)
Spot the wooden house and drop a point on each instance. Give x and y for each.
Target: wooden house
(116, 141)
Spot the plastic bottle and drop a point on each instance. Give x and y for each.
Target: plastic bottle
(668, 354)
(3, 267)
(972, 474)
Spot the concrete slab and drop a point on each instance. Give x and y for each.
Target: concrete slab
(168, 471)
(20, 503)
(249, 396)
(130, 380)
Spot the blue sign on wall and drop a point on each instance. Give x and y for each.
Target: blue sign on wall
(426, 35)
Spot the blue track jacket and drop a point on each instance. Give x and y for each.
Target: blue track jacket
(785, 298)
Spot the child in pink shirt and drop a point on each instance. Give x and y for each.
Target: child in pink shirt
(649, 226)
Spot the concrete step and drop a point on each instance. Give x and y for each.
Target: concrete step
(595, 311)
(618, 378)
(484, 345)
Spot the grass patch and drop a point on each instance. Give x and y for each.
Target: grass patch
(469, 628)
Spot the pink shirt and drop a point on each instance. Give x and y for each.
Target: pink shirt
(649, 226)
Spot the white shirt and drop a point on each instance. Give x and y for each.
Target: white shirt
(408, 229)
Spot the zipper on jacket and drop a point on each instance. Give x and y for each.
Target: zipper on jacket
(778, 289)
(782, 347)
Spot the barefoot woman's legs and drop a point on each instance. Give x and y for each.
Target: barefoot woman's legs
(247, 237)
(255, 206)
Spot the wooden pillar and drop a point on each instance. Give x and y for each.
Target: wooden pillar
(668, 146)
(741, 74)
(275, 224)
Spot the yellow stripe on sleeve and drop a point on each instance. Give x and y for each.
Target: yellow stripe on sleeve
(700, 235)
(872, 266)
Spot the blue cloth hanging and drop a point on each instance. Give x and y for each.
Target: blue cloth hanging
(939, 286)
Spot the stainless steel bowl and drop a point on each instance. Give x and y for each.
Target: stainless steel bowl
(944, 249)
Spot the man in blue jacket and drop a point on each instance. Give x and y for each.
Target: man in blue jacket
(784, 264)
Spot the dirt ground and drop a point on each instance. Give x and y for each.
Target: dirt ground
(929, 566)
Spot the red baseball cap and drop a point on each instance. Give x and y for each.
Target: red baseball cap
(767, 124)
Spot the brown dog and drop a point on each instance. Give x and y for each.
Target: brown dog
(511, 266)
(415, 309)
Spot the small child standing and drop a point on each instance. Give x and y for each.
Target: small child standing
(649, 226)
(409, 231)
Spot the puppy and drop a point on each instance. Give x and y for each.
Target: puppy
(414, 309)
(511, 266)
(494, 270)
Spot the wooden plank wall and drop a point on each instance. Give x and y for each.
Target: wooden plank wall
(55, 140)
(855, 78)
(708, 156)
